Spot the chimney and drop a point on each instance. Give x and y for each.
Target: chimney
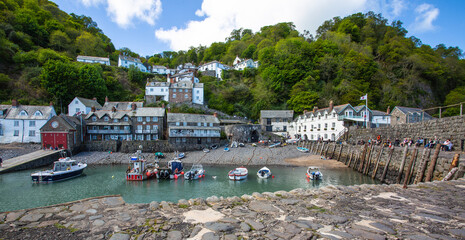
(51, 104)
(95, 99)
(315, 108)
(14, 103)
(92, 109)
(388, 110)
(169, 109)
(215, 114)
(133, 106)
(113, 109)
(331, 105)
(106, 99)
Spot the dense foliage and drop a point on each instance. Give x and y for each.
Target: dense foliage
(348, 57)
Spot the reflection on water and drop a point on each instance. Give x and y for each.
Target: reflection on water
(18, 191)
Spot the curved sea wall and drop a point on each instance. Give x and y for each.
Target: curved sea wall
(433, 210)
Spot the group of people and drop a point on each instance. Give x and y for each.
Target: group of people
(445, 146)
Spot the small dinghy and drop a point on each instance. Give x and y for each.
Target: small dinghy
(314, 173)
(264, 172)
(238, 174)
(196, 172)
(275, 145)
(226, 149)
(214, 146)
(241, 145)
(302, 149)
(206, 150)
(63, 169)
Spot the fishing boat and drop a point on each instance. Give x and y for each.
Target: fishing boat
(64, 168)
(226, 149)
(241, 145)
(139, 169)
(175, 169)
(275, 145)
(302, 149)
(314, 173)
(239, 173)
(196, 172)
(264, 172)
(206, 150)
(214, 146)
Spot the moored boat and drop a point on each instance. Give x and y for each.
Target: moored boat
(206, 150)
(264, 172)
(63, 169)
(239, 173)
(275, 145)
(226, 149)
(302, 149)
(314, 173)
(139, 169)
(196, 172)
(175, 168)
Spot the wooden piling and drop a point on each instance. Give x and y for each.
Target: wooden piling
(367, 166)
(401, 167)
(377, 162)
(383, 176)
(423, 164)
(339, 155)
(409, 168)
(322, 147)
(362, 158)
(316, 149)
(334, 149)
(432, 164)
(455, 162)
(350, 154)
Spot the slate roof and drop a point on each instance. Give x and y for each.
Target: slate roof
(182, 84)
(4, 110)
(198, 85)
(127, 58)
(45, 111)
(112, 115)
(158, 67)
(158, 84)
(186, 117)
(149, 112)
(90, 102)
(121, 105)
(276, 113)
(379, 113)
(407, 110)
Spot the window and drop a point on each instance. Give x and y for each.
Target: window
(115, 120)
(32, 123)
(186, 96)
(197, 98)
(16, 133)
(78, 110)
(177, 123)
(211, 124)
(326, 125)
(16, 123)
(127, 128)
(139, 119)
(147, 119)
(199, 124)
(319, 126)
(162, 90)
(333, 125)
(198, 91)
(23, 113)
(184, 140)
(151, 89)
(32, 133)
(139, 127)
(116, 127)
(174, 95)
(76, 102)
(126, 119)
(94, 118)
(148, 127)
(174, 90)
(155, 119)
(184, 124)
(186, 90)
(106, 118)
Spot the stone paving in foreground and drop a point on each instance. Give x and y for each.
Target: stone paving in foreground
(433, 210)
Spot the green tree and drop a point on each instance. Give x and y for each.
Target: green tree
(59, 80)
(90, 82)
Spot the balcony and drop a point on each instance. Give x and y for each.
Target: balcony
(194, 134)
(352, 118)
(138, 131)
(106, 131)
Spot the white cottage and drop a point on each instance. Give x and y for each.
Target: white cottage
(81, 105)
(91, 59)
(126, 61)
(22, 123)
(215, 67)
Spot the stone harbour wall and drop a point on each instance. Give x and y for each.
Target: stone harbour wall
(392, 165)
(452, 128)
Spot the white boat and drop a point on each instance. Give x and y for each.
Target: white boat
(239, 173)
(139, 169)
(63, 169)
(264, 172)
(314, 173)
(302, 149)
(196, 172)
(206, 150)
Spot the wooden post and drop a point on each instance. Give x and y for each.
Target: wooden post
(409, 168)
(316, 149)
(334, 149)
(367, 166)
(311, 147)
(383, 176)
(377, 162)
(339, 155)
(322, 147)
(455, 162)
(422, 166)
(432, 164)
(401, 168)
(362, 158)
(412, 168)
(350, 152)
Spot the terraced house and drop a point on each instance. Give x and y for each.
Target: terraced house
(193, 129)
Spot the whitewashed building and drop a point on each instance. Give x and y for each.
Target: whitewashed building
(22, 123)
(160, 69)
(276, 120)
(157, 91)
(81, 105)
(240, 64)
(197, 93)
(328, 124)
(178, 88)
(91, 59)
(214, 67)
(380, 119)
(125, 61)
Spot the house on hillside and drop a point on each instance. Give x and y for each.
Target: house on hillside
(162, 70)
(148, 123)
(214, 69)
(22, 123)
(126, 61)
(91, 59)
(194, 129)
(81, 105)
(276, 120)
(125, 106)
(178, 88)
(401, 115)
(240, 64)
(63, 132)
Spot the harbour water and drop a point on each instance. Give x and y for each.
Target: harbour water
(18, 191)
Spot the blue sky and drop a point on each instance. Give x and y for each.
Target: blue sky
(153, 26)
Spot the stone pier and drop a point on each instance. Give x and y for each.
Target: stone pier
(433, 210)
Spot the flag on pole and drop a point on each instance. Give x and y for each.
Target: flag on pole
(364, 97)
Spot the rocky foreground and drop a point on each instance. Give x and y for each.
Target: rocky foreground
(433, 210)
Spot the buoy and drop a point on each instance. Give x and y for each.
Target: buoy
(272, 176)
(175, 176)
(113, 176)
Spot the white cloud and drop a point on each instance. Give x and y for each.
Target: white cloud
(397, 7)
(125, 12)
(223, 16)
(426, 14)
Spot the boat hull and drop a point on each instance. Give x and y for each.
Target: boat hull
(313, 177)
(37, 177)
(237, 177)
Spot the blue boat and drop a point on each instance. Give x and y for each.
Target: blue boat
(63, 169)
(226, 149)
(302, 149)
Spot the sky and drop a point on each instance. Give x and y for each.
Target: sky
(148, 27)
